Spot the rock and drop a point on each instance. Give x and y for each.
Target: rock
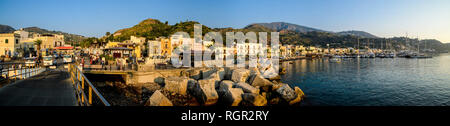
(158, 99)
(274, 101)
(176, 84)
(224, 86)
(195, 73)
(286, 92)
(221, 72)
(218, 70)
(228, 73)
(192, 84)
(184, 73)
(205, 91)
(254, 99)
(271, 73)
(259, 80)
(231, 96)
(150, 87)
(234, 96)
(246, 87)
(275, 77)
(254, 71)
(159, 80)
(275, 86)
(299, 97)
(240, 75)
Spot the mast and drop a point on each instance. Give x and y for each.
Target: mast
(418, 44)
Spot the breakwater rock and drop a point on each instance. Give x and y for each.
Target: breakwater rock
(223, 87)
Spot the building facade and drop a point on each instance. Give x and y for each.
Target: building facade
(9, 44)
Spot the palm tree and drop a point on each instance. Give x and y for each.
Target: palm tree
(38, 47)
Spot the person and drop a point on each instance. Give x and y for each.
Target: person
(118, 63)
(82, 62)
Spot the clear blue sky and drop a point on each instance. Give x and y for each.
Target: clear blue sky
(384, 18)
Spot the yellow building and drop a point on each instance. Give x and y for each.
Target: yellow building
(9, 44)
(136, 48)
(166, 47)
(50, 41)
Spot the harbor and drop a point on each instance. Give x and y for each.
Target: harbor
(372, 81)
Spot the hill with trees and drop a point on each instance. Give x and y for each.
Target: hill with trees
(289, 34)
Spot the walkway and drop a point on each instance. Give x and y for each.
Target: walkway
(50, 88)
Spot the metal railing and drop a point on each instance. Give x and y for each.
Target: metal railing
(80, 81)
(19, 71)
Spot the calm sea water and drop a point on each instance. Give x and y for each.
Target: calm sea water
(372, 82)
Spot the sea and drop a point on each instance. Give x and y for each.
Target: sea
(372, 81)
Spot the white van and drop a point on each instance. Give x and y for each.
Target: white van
(67, 58)
(49, 61)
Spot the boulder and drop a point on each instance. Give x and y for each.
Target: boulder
(254, 71)
(299, 97)
(231, 96)
(259, 80)
(240, 75)
(218, 70)
(205, 91)
(271, 73)
(275, 86)
(159, 80)
(176, 84)
(221, 72)
(254, 99)
(228, 72)
(224, 86)
(195, 73)
(158, 99)
(150, 87)
(192, 84)
(246, 87)
(286, 92)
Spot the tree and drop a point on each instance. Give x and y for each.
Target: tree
(38, 47)
(108, 33)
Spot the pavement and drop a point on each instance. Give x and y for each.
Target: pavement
(50, 88)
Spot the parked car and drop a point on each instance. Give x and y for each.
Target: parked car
(30, 62)
(67, 58)
(49, 61)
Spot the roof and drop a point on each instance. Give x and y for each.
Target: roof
(64, 47)
(118, 48)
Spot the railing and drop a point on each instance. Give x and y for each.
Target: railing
(18, 71)
(79, 80)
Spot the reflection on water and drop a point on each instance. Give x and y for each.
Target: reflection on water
(372, 82)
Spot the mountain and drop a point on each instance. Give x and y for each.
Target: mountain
(357, 33)
(279, 26)
(6, 29)
(152, 28)
(68, 38)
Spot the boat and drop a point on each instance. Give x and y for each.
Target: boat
(418, 56)
(335, 60)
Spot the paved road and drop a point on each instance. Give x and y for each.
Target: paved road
(50, 88)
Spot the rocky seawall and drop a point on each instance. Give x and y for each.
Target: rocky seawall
(208, 86)
(223, 86)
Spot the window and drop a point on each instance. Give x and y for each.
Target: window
(17, 41)
(6, 40)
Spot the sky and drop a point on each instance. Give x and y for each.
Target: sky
(425, 19)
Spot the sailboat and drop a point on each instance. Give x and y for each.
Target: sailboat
(418, 54)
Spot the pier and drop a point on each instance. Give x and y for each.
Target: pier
(41, 86)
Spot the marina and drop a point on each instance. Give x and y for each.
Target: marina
(372, 81)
